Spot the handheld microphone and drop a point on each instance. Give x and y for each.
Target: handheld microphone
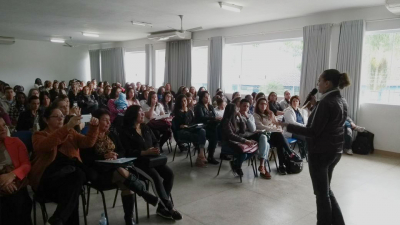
(310, 95)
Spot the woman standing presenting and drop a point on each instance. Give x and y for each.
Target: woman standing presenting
(325, 138)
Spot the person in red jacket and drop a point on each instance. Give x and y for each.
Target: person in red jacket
(15, 203)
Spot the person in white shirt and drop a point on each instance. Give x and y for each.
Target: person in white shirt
(285, 101)
(298, 116)
(265, 120)
(162, 127)
(220, 109)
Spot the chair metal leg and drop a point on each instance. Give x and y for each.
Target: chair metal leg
(190, 156)
(176, 146)
(276, 163)
(147, 204)
(34, 211)
(44, 212)
(105, 206)
(83, 206)
(220, 164)
(170, 197)
(269, 168)
(88, 200)
(115, 198)
(136, 209)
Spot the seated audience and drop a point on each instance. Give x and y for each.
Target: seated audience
(47, 86)
(265, 120)
(131, 97)
(38, 83)
(114, 112)
(230, 130)
(145, 95)
(139, 141)
(62, 88)
(190, 102)
(143, 88)
(192, 90)
(167, 102)
(8, 99)
(236, 95)
(18, 107)
(298, 116)
(5, 116)
(62, 103)
(121, 103)
(15, 203)
(251, 101)
(349, 126)
(285, 102)
(220, 109)
(54, 91)
(103, 98)
(273, 105)
(32, 92)
(29, 119)
(236, 101)
(18, 88)
(108, 147)
(161, 128)
(73, 95)
(160, 93)
(168, 89)
(184, 117)
(56, 173)
(249, 132)
(44, 98)
(205, 114)
(259, 95)
(87, 101)
(198, 92)
(254, 94)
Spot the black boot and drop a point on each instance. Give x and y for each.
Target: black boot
(211, 159)
(135, 185)
(128, 202)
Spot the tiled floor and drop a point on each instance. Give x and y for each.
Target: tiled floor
(367, 188)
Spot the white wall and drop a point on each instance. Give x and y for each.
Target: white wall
(24, 61)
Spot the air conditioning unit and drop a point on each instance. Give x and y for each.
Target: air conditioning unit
(170, 35)
(393, 6)
(7, 40)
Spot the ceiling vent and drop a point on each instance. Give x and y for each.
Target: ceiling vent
(393, 6)
(7, 40)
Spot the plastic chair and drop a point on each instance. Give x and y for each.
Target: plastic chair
(178, 140)
(26, 137)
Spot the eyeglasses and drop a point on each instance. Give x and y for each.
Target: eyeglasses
(58, 117)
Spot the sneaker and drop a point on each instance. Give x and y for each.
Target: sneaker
(348, 151)
(161, 211)
(282, 170)
(176, 215)
(212, 161)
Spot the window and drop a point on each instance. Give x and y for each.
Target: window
(160, 67)
(135, 67)
(263, 67)
(199, 67)
(380, 78)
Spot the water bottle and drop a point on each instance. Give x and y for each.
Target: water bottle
(103, 220)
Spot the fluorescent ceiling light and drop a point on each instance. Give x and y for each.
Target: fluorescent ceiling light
(90, 34)
(57, 40)
(230, 7)
(141, 23)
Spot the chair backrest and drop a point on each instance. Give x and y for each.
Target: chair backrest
(26, 138)
(85, 130)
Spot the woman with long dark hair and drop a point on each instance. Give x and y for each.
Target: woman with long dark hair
(231, 128)
(111, 104)
(131, 96)
(167, 102)
(108, 147)
(204, 113)
(274, 105)
(184, 117)
(139, 141)
(325, 138)
(54, 91)
(265, 120)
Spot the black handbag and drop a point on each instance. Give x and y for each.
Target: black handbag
(151, 161)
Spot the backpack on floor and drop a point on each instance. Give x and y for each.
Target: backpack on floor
(293, 165)
(364, 143)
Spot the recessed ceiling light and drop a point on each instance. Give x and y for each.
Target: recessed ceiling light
(141, 23)
(90, 34)
(57, 40)
(230, 7)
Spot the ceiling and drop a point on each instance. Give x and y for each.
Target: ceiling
(42, 19)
